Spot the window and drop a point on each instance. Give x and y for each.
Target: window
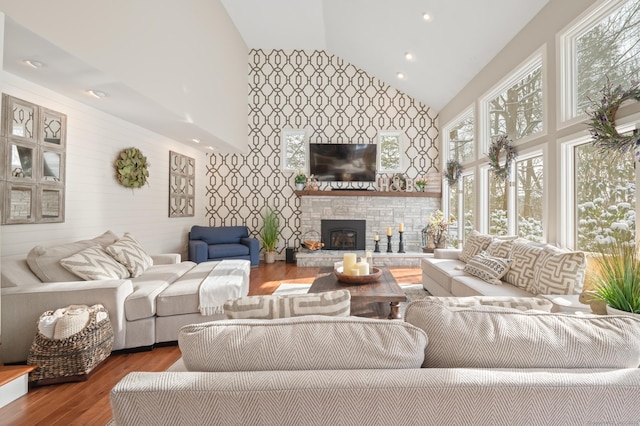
(604, 44)
(468, 203)
(461, 204)
(294, 150)
(498, 206)
(530, 197)
(390, 151)
(516, 107)
(459, 137)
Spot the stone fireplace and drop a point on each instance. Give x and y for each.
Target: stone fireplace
(343, 234)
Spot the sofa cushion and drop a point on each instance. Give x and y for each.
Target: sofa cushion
(331, 303)
(499, 248)
(16, 272)
(475, 243)
(128, 251)
(468, 285)
(227, 251)
(524, 255)
(182, 295)
(520, 303)
(94, 263)
(219, 235)
(442, 270)
(487, 268)
(506, 338)
(558, 272)
(302, 343)
(44, 262)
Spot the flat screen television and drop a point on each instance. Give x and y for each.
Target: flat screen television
(336, 162)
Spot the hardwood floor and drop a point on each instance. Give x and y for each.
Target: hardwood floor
(87, 403)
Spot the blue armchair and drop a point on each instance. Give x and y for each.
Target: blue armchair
(208, 243)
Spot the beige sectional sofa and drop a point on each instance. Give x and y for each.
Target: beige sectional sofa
(532, 269)
(446, 364)
(143, 310)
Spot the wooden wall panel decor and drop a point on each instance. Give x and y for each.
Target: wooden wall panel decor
(182, 184)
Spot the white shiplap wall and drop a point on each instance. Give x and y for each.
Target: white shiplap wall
(95, 202)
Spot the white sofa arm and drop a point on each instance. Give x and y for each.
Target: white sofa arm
(447, 253)
(166, 258)
(23, 305)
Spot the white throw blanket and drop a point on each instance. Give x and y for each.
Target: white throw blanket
(227, 280)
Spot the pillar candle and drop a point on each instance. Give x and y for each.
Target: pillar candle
(363, 268)
(348, 262)
(388, 231)
(376, 237)
(355, 272)
(401, 227)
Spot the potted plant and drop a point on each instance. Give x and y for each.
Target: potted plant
(436, 232)
(300, 180)
(420, 183)
(269, 234)
(616, 278)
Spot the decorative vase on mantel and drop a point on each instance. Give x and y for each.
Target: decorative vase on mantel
(300, 186)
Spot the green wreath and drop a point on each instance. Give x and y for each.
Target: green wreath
(132, 168)
(502, 144)
(453, 172)
(603, 119)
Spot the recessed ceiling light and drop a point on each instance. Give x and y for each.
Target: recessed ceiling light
(195, 140)
(97, 94)
(210, 147)
(409, 56)
(400, 76)
(33, 63)
(427, 16)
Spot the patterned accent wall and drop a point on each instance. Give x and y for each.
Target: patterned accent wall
(335, 102)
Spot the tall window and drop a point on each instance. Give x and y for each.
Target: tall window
(605, 198)
(529, 197)
(468, 203)
(390, 151)
(498, 219)
(515, 107)
(604, 45)
(294, 150)
(460, 136)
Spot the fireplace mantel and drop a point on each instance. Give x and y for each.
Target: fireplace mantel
(364, 193)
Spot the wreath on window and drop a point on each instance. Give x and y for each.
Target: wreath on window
(453, 172)
(603, 119)
(132, 168)
(501, 145)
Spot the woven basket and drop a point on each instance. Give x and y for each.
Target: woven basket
(311, 240)
(74, 356)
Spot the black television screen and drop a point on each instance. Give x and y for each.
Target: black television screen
(343, 162)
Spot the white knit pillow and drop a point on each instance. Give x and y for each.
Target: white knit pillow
(128, 251)
(474, 244)
(94, 263)
(487, 268)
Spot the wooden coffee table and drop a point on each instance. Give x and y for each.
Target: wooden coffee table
(379, 299)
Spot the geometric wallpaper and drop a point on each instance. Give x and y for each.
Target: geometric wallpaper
(331, 99)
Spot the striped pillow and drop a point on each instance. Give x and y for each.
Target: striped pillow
(487, 268)
(128, 251)
(331, 303)
(94, 263)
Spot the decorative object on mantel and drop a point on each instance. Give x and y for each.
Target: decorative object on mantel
(398, 182)
(602, 117)
(420, 184)
(436, 232)
(502, 144)
(453, 172)
(132, 168)
(312, 184)
(300, 179)
(269, 234)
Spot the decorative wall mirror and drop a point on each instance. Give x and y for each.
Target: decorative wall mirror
(32, 169)
(182, 184)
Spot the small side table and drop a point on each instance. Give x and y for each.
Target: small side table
(567, 303)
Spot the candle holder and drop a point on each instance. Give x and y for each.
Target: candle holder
(389, 244)
(401, 245)
(377, 248)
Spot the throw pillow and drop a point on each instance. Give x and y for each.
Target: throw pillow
(475, 243)
(332, 303)
(303, 343)
(558, 272)
(487, 268)
(94, 263)
(128, 251)
(524, 255)
(520, 303)
(503, 338)
(499, 248)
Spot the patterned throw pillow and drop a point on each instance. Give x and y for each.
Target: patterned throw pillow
(499, 248)
(487, 268)
(558, 272)
(94, 263)
(128, 251)
(524, 256)
(331, 303)
(476, 242)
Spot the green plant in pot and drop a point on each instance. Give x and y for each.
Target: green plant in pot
(269, 234)
(616, 278)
